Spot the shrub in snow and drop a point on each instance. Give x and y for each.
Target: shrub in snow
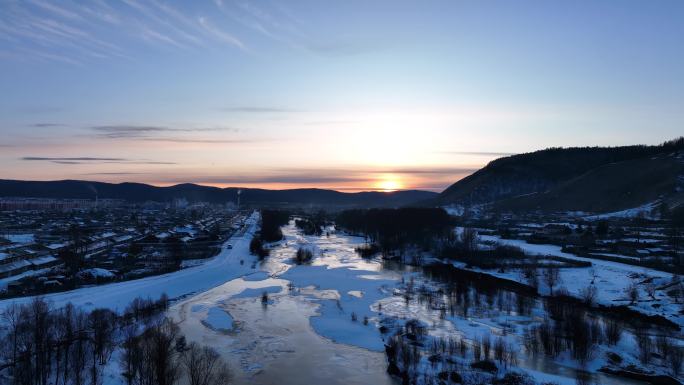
(485, 366)
(303, 256)
(588, 295)
(513, 378)
(633, 293)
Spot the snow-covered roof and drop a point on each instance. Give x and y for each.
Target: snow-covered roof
(14, 266)
(20, 238)
(43, 260)
(96, 272)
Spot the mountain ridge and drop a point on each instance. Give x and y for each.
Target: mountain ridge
(141, 192)
(595, 179)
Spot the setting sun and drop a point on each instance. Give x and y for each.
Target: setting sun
(389, 183)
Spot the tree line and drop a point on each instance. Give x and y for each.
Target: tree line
(44, 345)
(271, 222)
(312, 224)
(395, 229)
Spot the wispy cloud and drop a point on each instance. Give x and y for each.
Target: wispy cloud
(280, 27)
(114, 173)
(78, 33)
(277, 22)
(75, 33)
(150, 132)
(123, 131)
(76, 159)
(220, 34)
(43, 125)
(92, 160)
(199, 140)
(56, 10)
(377, 171)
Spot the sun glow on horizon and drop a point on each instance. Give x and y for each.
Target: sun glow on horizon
(389, 183)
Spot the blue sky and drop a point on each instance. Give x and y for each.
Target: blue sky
(340, 94)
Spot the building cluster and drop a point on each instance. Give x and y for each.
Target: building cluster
(13, 204)
(47, 246)
(635, 240)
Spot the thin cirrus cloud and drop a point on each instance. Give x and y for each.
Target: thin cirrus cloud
(160, 133)
(375, 172)
(114, 173)
(74, 33)
(280, 24)
(200, 141)
(46, 125)
(92, 160)
(164, 134)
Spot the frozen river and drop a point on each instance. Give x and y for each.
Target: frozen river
(304, 333)
(320, 322)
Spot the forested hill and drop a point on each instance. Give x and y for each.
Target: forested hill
(581, 178)
(138, 192)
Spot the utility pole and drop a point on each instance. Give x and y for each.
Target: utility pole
(239, 192)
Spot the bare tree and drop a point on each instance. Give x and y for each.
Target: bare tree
(101, 323)
(675, 359)
(551, 277)
(164, 354)
(10, 347)
(633, 293)
(130, 353)
(531, 277)
(613, 330)
(589, 294)
(486, 345)
(42, 332)
(65, 334)
(650, 288)
(204, 366)
(469, 239)
(645, 344)
(80, 350)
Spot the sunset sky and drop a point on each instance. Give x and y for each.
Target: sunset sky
(351, 95)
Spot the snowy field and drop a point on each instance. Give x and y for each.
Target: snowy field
(278, 322)
(611, 279)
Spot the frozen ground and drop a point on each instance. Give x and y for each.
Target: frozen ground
(320, 324)
(645, 210)
(219, 319)
(611, 279)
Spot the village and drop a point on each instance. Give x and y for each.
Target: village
(49, 245)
